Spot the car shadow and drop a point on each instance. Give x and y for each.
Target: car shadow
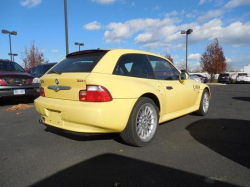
(118, 171)
(15, 101)
(84, 136)
(228, 137)
(242, 98)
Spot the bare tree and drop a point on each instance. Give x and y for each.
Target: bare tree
(182, 66)
(33, 57)
(197, 69)
(213, 60)
(168, 56)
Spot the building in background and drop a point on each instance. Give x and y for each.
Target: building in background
(246, 69)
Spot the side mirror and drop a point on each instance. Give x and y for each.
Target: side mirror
(183, 76)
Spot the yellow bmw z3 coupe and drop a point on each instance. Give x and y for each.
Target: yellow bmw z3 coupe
(118, 91)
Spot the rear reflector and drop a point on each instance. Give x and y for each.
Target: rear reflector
(95, 94)
(42, 93)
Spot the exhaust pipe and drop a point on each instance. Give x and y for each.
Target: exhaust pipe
(42, 120)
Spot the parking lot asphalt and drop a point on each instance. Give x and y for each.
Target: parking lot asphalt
(189, 151)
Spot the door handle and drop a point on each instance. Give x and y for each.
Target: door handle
(169, 87)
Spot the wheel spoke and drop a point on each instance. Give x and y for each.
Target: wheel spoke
(205, 102)
(146, 122)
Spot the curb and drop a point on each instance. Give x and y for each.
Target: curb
(217, 84)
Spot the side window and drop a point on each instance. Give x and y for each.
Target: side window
(176, 72)
(163, 69)
(134, 65)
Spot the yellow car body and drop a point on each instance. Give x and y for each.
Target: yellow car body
(62, 108)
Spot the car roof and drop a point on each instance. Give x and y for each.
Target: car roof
(111, 56)
(6, 60)
(125, 51)
(48, 64)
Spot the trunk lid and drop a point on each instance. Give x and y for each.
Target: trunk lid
(64, 86)
(12, 78)
(68, 77)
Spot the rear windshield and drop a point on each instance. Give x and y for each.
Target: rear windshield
(41, 70)
(10, 66)
(79, 63)
(242, 74)
(194, 76)
(224, 74)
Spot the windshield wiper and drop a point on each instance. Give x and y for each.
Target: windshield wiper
(56, 72)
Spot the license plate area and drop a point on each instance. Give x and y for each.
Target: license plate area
(19, 91)
(55, 117)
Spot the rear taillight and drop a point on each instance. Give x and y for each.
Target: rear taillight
(2, 82)
(95, 93)
(30, 81)
(42, 93)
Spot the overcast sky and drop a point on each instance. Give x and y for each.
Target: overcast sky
(150, 25)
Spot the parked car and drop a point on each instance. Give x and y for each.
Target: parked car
(15, 82)
(32, 70)
(195, 77)
(118, 91)
(203, 78)
(243, 78)
(225, 78)
(40, 70)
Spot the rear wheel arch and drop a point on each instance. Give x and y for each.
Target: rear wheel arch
(154, 98)
(143, 123)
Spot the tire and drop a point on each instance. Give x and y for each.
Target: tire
(204, 104)
(142, 124)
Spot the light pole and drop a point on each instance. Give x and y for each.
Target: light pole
(80, 44)
(13, 54)
(10, 33)
(66, 26)
(187, 32)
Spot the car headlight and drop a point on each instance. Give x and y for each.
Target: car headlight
(36, 80)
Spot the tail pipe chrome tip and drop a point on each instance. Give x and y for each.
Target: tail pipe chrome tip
(42, 120)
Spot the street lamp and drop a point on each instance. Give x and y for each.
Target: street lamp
(13, 54)
(80, 44)
(187, 32)
(10, 33)
(66, 26)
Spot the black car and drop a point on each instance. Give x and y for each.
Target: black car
(225, 78)
(40, 70)
(15, 82)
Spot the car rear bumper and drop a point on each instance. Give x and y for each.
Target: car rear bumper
(248, 81)
(86, 117)
(223, 81)
(29, 90)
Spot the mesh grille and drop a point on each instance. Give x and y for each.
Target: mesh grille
(16, 81)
